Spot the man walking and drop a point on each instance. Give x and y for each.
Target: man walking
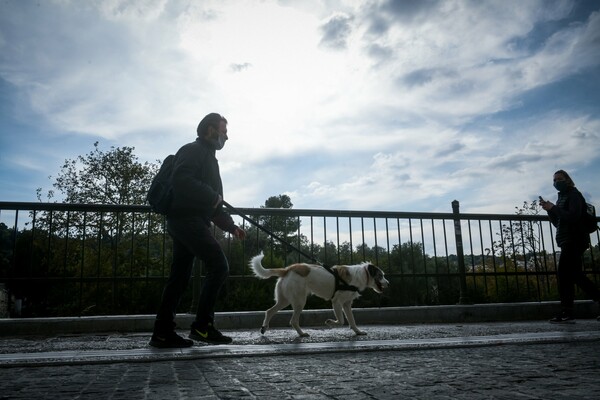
(197, 201)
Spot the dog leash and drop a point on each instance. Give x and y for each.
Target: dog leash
(340, 284)
(280, 239)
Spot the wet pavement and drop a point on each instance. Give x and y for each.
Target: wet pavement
(531, 360)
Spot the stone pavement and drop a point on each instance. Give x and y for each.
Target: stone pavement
(502, 360)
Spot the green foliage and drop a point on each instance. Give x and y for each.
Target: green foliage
(509, 282)
(99, 177)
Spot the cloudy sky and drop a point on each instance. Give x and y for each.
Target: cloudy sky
(352, 105)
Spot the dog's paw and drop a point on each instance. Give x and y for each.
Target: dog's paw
(303, 334)
(263, 330)
(332, 322)
(360, 333)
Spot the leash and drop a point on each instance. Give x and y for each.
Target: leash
(340, 284)
(262, 228)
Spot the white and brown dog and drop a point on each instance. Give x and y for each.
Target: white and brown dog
(340, 283)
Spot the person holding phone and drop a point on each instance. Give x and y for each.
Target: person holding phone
(572, 239)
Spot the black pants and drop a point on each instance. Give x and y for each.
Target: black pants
(570, 273)
(192, 238)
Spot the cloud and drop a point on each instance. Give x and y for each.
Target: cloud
(240, 67)
(336, 31)
(377, 105)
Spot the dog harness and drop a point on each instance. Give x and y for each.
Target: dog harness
(340, 284)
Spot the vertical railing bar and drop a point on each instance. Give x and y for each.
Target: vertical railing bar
(412, 254)
(298, 237)
(148, 236)
(483, 263)
(412, 242)
(400, 246)
(423, 246)
(426, 275)
(524, 248)
(351, 242)
(114, 247)
(514, 256)
(271, 240)
(31, 243)
(472, 255)
(131, 260)
(312, 237)
(537, 258)
(13, 270)
(493, 251)
(325, 258)
(387, 239)
(81, 273)
(50, 248)
(446, 246)
(376, 243)
(337, 229)
(544, 262)
(435, 263)
(505, 274)
(64, 273)
(464, 298)
(363, 243)
(100, 227)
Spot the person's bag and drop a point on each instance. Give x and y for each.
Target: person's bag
(589, 222)
(160, 194)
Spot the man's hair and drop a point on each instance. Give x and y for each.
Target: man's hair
(564, 173)
(212, 119)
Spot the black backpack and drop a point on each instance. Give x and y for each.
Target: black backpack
(588, 219)
(160, 193)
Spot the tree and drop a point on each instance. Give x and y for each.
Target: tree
(113, 177)
(520, 251)
(520, 237)
(284, 227)
(97, 244)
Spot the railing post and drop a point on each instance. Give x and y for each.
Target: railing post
(464, 299)
(196, 282)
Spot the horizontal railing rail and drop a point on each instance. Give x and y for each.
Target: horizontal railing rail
(89, 259)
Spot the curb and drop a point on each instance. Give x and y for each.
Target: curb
(499, 312)
(145, 355)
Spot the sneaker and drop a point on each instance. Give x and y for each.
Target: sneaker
(210, 334)
(562, 318)
(170, 341)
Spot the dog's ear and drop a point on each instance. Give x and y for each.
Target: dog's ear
(373, 270)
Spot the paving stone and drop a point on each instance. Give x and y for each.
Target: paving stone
(529, 370)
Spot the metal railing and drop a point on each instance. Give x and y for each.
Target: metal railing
(84, 259)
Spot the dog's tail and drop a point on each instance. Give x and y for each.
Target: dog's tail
(261, 271)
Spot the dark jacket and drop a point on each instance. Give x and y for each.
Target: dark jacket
(197, 185)
(566, 217)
